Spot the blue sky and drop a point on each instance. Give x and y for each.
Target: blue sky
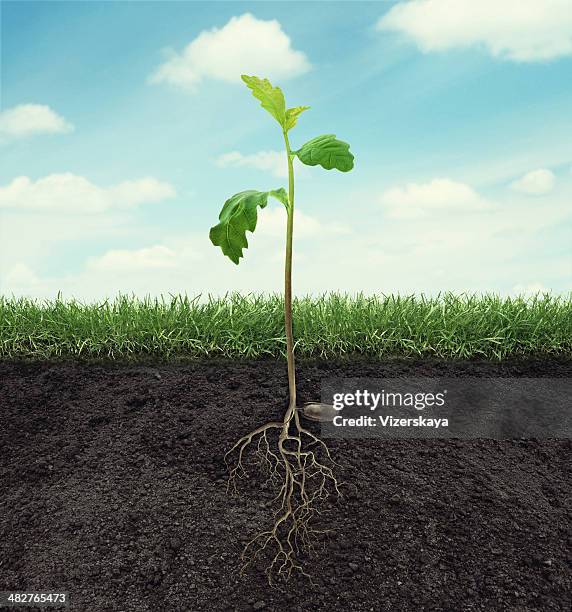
(119, 148)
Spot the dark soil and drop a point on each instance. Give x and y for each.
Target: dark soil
(113, 487)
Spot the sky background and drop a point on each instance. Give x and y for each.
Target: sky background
(124, 127)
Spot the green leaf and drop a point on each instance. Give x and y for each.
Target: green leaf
(292, 116)
(239, 215)
(280, 195)
(327, 152)
(271, 98)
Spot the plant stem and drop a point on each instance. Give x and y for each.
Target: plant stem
(288, 282)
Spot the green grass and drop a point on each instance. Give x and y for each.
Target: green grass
(331, 326)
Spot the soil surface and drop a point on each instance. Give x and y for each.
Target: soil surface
(113, 488)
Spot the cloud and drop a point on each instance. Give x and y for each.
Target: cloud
(182, 263)
(29, 119)
(530, 289)
(244, 45)
(268, 161)
(513, 241)
(179, 255)
(150, 258)
(272, 224)
(21, 275)
(418, 200)
(71, 193)
(519, 30)
(536, 182)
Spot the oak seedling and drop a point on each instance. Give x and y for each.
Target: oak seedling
(299, 464)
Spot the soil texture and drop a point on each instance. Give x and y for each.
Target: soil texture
(113, 488)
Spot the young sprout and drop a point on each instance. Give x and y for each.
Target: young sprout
(239, 212)
(304, 478)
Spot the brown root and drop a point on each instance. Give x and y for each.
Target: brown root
(300, 467)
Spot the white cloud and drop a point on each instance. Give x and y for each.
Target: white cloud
(21, 275)
(244, 45)
(269, 161)
(417, 200)
(71, 193)
(519, 30)
(28, 119)
(184, 263)
(513, 241)
(536, 182)
(530, 289)
(121, 260)
(272, 223)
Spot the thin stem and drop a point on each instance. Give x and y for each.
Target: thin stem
(288, 283)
